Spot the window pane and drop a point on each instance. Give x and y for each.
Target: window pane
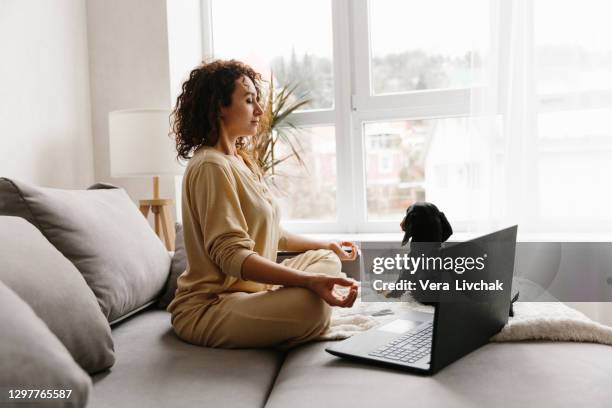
(574, 164)
(419, 160)
(426, 44)
(572, 48)
(291, 38)
(309, 194)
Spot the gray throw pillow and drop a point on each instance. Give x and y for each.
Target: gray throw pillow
(57, 292)
(33, 358)
(178, 266)
(104, 235)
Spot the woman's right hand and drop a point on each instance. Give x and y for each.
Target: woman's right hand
(323, 285)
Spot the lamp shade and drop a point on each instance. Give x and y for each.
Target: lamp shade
(140, 145)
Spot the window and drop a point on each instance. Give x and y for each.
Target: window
(279, 37)
(278, 44)
(413, 71)
(394, 86)
(423, 160)
(414, 46)
(309, 194)
(341, 130)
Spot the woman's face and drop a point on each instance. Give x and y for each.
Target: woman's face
(241, 118)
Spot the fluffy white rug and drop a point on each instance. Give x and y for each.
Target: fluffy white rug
(552, 321)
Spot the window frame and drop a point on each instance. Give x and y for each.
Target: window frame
(367, 107)
(355, 105)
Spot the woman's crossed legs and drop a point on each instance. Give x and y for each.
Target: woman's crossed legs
(281, 317)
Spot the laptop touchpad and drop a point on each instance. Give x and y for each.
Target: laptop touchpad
(399, 326)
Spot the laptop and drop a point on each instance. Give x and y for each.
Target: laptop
(424, 343)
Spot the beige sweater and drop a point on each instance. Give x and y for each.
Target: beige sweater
(228, 215)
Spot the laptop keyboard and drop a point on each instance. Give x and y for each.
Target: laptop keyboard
(408, 348)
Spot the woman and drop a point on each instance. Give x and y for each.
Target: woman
(233, 293)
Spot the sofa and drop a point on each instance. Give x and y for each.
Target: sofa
(83, 280)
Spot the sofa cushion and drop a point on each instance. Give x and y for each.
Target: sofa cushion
(33, 358)
(57, 292)
(525, 374)
(104, 235)
(156, 369)
(178, 266)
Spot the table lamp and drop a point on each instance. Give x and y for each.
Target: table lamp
(140, 146)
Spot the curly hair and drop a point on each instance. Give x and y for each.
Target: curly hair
(196, 116)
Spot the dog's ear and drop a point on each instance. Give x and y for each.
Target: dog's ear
(447, 230)
(407, 222)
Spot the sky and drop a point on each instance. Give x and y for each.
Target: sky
(437, 26)
(271, 27)
(247, 27)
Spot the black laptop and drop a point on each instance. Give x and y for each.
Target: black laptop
(427, 342)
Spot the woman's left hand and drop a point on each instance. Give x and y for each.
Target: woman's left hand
(336, 246)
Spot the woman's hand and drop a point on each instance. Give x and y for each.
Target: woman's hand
(336, 246)
(323, 285)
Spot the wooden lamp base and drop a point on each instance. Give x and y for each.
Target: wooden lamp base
(163, 220)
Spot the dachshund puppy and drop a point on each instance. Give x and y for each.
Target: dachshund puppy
(425, 223)
(425, 228)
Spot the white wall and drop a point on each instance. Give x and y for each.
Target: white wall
(184, 41)
(128, 62)
(185, 52)
(45, 123)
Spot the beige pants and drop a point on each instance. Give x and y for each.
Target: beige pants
(281, 317)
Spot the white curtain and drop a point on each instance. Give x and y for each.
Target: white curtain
(540, 138)
(540, 132)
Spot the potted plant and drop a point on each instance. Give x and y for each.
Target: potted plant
(275, 130)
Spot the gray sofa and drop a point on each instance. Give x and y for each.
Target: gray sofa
(59, 255)
(155, 368)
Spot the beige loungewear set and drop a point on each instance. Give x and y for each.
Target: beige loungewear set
(228, 215)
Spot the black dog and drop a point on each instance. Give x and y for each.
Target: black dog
(425, 228)
(425, 223)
